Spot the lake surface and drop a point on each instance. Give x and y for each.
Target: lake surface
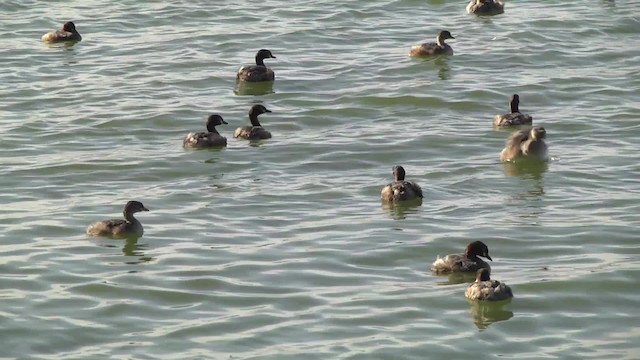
(281, 249)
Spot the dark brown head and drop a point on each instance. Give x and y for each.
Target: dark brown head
(69, 26)
(514, 102)
(213, 121)
(255, 111)
(483, 275)
(444, 35)
(263, 54)
(477, 248)
(398, 173)
(537, 133)
(133, 207)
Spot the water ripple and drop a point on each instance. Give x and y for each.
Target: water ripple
(281, 249)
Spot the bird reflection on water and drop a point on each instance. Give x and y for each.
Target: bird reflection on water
(528, 201)
(526, 168)
(130, 248)
(458, 278)
(485, 313)
(443, 68)
(253, 88)
(400, 210)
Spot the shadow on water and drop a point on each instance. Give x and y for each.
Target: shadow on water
(609, 3)
(485, 313)
(253, 88)
(442, 63)
(217, 148)
(258, 143)
(400, 210)
(526, 168)
(131, 248)
(69, 53)
(66, 45)
(252, 143)
(457, 278)
(527, 201)
(215, 159)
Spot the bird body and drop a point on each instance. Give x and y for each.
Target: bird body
(129, 226)
(515, 117)
(258, 72)
(211, 138)
(485, 7)
(466, 262)
(400, 189)
(255, 131)
(527, 142)
(434, 48)
(68, 33)
(486, 289)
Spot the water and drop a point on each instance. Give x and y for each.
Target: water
(281, 249)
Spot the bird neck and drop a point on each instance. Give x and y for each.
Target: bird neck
(129, 217)
(514, 107)
(254, 119)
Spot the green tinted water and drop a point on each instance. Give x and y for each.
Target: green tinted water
(281, 249)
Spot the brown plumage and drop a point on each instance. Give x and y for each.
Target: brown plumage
(259, 71)
(399, 189)
(515, 117)
(437, 48)
(486, 289)
(211, 138)
(485, 7)
(255, 131)
(68, 33)
(129, 226)
(469, 261)
(527, 142)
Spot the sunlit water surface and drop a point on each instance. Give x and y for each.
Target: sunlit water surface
(281, 249)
